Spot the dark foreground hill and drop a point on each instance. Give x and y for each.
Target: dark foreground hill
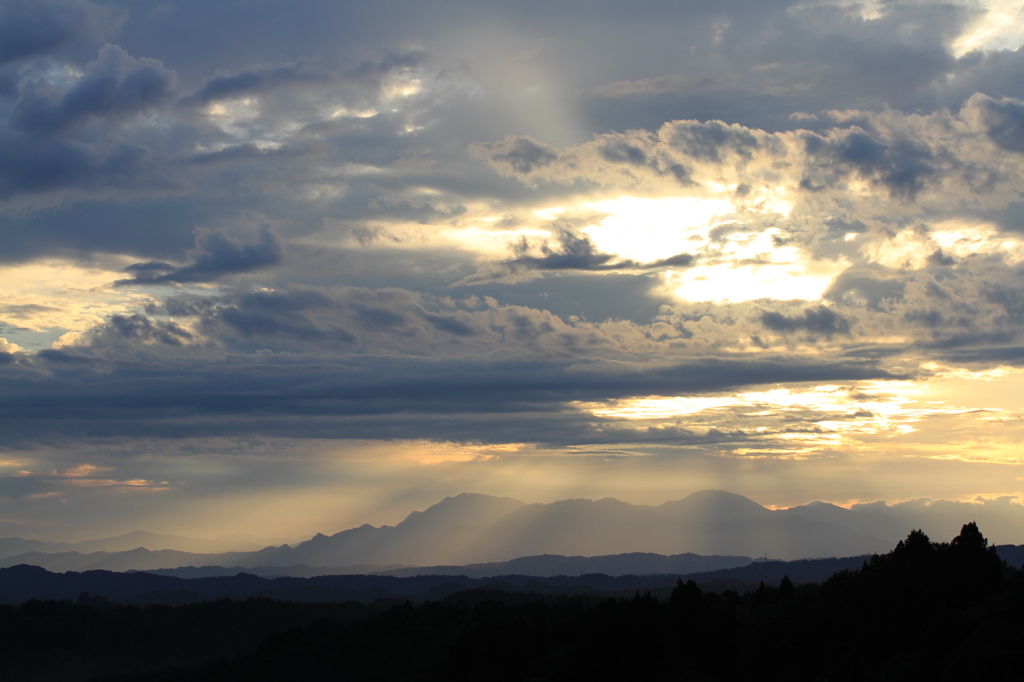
(19, 584)
(926, 610)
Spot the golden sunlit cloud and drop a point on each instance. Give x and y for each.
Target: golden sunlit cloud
(815, 417)
(962, 241)
(8, 347)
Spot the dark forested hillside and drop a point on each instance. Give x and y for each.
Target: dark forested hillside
(926, 610)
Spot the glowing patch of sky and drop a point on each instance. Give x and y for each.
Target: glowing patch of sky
(852, 416)
(748, 266)
(744, 265)
(1000, 26)
(647, 229)
(961, 241)
(41, 300)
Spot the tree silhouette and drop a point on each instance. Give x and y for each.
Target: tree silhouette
(786, 589)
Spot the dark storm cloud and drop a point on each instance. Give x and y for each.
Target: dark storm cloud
(286, 317)
(216, 255)
(358, 363)
(816, 321)
(33, 27)
(360, 396)
(63, 357)
(312, 321)
(28, 166)
(114, 86)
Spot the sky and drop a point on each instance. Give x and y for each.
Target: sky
(285, 268)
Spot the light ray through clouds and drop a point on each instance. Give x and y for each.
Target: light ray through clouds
(396, 253)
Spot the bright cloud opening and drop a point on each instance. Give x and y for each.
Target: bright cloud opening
(998, 27)
(821, 416)
(748, 266)
(646, 230)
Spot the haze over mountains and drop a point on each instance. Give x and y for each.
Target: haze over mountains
(479, 529)
(140, 538)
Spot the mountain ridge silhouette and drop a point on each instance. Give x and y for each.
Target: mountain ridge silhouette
(473, 528)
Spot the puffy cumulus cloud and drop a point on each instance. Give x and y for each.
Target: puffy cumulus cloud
(866, 200)
(7, 351)
(50, 148)
(114, 86)
(864, 156)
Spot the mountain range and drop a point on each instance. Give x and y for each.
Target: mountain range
(473, 529)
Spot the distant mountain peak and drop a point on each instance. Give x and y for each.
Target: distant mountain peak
(465, 503)
(717, 504)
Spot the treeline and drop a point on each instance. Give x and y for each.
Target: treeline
(59, 641)
(926, 610)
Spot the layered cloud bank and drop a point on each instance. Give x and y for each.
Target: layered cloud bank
(335, 258)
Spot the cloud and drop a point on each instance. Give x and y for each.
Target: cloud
(571, 252)
(816, 321)
(895, 192)
(1003, 120)
(35, 27)
(141, 329)
(254, 81)
(516, 155)
(464, 399)
(115, 86)
(901, 156)
(216, 255)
